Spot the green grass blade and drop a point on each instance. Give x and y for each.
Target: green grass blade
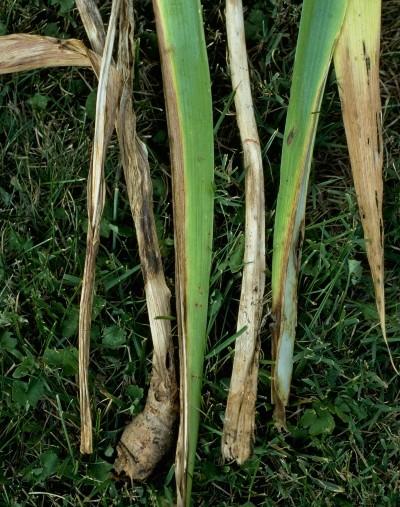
(356, 61)
(320, 26)
(187, 91)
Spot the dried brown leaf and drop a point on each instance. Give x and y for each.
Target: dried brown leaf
(147, 438)
(107, 97)
(20, 52)
(357, 69)
(238, 433)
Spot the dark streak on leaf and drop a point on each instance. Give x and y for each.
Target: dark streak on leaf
(290, 137)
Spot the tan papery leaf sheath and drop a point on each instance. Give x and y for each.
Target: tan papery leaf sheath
(107, 94)
(238, 432)
(161, 409)
(146, 439)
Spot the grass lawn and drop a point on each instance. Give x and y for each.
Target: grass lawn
(342, 447)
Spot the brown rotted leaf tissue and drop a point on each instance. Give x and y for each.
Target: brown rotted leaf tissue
(146, 439)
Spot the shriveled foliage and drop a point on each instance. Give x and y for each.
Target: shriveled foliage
(357, 69)
(238, 432)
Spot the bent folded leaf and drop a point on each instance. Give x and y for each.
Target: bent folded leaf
(21, 52)
(187, 91)
(320, 25)
(356, 61)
